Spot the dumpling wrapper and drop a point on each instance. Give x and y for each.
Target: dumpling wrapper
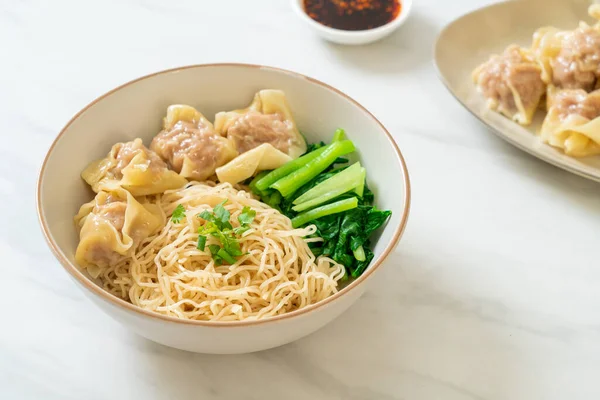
(570, 59)
(111, 225)
(512, 83)
(573, 122)
(190, 145)
(268, 119)
(546, 45)
(134, 167)
(263, 157)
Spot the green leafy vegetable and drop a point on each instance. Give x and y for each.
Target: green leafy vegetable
(207, 216)
(247, 216)
(359, 253)
(313, 146)
(218, 226)
(315, 189)
(345, 181)
(221, 216)
(292, 182)
(346, 236)
(256, 179)
(339, 135)
(368, 196)
(266, 181)
(327, 209)
(360, 189)
(178, 214)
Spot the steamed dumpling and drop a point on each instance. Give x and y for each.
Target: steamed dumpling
(190, 145)
(511, 83)
(570, 59)
(134, 167)
(111, 225)
(573, 122)
(268, 119)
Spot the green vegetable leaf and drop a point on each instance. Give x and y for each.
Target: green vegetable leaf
(222, 216)
(240, 230)
(375, 219)
(178, 214)
(368, 197)
(362, 265)
(314, 146)
(201, 242)
(207, 216)
(247, 216)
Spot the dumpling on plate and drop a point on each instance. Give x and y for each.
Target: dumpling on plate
(135, 168)
(570, 59)
(110, 226)
(511, 83)
(190, 145)
(268, 119)
(573, 122)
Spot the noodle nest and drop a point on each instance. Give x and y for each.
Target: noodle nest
(168, 274)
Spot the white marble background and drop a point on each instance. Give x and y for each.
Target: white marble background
(493, 293)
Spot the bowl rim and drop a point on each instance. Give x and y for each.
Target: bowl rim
(78, 275)
(388, 27)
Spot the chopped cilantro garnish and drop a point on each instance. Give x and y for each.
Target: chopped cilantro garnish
(247, 216)
(178, 214)
(219, 227)
(222, 216)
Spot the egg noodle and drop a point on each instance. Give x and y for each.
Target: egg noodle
(168, 274)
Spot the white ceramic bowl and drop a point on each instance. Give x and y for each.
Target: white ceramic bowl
(353, 37)
(135, 110)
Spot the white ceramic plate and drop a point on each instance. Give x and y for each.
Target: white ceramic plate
(471, 39)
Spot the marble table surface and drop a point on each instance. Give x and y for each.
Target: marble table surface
(493, 293)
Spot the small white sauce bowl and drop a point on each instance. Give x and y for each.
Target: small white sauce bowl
(353, 37)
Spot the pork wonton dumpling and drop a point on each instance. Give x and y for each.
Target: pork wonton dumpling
(570, 59)
(268, 119)
(190, 145)
(511, 83)
(132, 166)
(573, 122)
(111, 225)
